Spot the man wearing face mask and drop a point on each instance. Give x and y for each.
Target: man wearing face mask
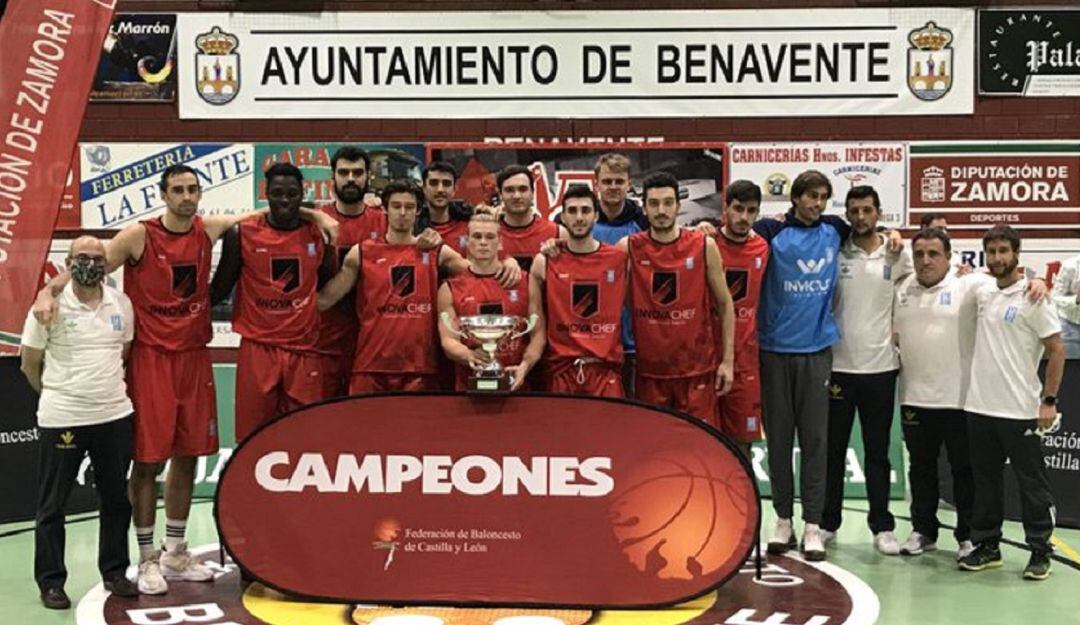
(77, 365)
(276, 262)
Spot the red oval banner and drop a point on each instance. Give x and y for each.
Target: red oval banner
(530, 500)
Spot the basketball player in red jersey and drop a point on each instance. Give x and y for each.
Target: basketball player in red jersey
(446, 216)
(477, 292)
(676, 278)
(275, 263)
(578, 297)
(166, 264)
(745, 257)
(523, 229)
(398, 283)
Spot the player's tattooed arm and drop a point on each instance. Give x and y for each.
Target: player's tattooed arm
(343, 282)
(451, 343)
(725, 373)
(127, 245)
(228, 269)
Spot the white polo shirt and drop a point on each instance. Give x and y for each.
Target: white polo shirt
(863, 308)
(1008, 347)
(83, 380)
(936, 331)
(1064, 293)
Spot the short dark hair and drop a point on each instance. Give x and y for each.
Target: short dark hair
(659, 180)
(929, 218)
(1002, 232)
(349, 153)
(402, 186)
(933, 233)
(742, 190)
(509, 172)
(175, 170)
(287, 170)
(810, 179)
(863, 191)
(442, 167)
(581, 190)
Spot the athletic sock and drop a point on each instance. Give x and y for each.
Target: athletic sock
(145, 538)
(174, 533)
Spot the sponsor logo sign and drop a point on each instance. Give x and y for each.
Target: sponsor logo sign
(138, 59)
(526, 505)
(120, 180)
(977, 185)
(578, 64)
(774, 167)
(1030, 52)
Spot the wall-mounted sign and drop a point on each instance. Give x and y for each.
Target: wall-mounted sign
(1029, 52)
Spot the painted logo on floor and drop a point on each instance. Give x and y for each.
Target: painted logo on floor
(790, 592)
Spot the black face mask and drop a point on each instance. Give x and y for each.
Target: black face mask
(350, 193)
(87, 275)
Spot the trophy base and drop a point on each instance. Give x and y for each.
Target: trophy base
(489, 384)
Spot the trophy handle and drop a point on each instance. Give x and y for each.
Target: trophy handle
(530, 323)
(445, 317)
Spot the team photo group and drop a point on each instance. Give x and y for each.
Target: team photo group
(783, 327)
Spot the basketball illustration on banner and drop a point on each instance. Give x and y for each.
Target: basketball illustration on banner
(665, 517)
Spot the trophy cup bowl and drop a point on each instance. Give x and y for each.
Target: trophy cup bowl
(490, 331)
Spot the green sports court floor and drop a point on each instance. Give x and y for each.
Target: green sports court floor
(924, 589)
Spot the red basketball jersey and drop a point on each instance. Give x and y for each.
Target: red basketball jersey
(454, 233)
(744, 264)
(337, 324)
(584, 297)
(275, 297)
(523, 242)
(483, 295)
(169, 287)
(396, 309)
(671, 306)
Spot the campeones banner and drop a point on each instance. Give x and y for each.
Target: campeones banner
(577, 64)
(521, 500)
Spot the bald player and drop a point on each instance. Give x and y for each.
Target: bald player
(578, 297)
(676, 280)
(396, 297)
(478, 292)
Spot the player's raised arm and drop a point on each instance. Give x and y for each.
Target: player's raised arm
(343, 282)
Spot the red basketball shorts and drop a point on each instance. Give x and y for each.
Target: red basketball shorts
(599, 379)
(738, 414)
(385, 382)
(271, 380)
(175, 404)
(694, 395)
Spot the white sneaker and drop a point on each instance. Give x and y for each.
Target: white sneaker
(828, 536)
(150, 580)
(813, 546)
(783, 539)
(917, 544)
(179, 565)
(964, 549)
(886, 543)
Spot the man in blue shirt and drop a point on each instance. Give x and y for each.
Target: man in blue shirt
(796, 331)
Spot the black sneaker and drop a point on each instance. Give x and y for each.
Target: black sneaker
(985, 556)
(121, 586)
(1038, 567)
(55, 599)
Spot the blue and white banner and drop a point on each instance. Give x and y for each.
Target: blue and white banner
(119, 182)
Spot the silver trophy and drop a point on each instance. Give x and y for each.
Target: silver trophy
(490, 331)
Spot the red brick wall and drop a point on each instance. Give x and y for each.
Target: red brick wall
(994, 118)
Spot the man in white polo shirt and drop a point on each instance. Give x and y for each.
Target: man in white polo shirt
(1008, 408)
(934, 323)
(77, 365)
(864, 365)
(1067, 290)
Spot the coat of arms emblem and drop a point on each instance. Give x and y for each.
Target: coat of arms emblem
(930, 62)
(217, 66)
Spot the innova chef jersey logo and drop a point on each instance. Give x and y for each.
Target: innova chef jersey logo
(217, 66)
